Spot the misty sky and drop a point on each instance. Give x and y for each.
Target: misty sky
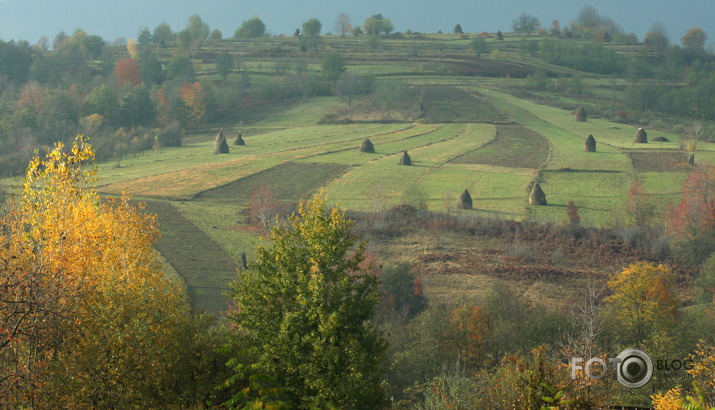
(31, 19)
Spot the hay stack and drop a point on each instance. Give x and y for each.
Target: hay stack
(405, 160)
(581, 115)
(367, 146)
(239, 140)
(464, 201)
(661, 139)
(589, 145)
(220, 144)
(537, 196)
(641, 137)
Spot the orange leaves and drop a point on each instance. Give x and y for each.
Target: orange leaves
(698, 204)
(127, 72)
(470, 326)
(194, 97)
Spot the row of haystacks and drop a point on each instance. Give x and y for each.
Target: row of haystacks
(641, 137)
(368, 147)
(537, 197)
(221, 146)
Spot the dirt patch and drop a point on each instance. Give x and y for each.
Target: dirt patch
(513, 146)
(659, 161)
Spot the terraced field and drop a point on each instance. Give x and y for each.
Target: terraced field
(470, 135)
(514, 146)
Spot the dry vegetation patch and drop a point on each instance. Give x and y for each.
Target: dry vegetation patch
(289, 181)
(513, 146)
(450, 104)
(659, 161)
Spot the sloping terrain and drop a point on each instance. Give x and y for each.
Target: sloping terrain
(206, 267)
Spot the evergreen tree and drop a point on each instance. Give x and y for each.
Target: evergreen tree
(305, 305)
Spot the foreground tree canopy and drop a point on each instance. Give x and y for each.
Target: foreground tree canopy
(84, 307)
(305, 306)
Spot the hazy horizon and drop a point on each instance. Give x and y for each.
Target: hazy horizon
(31, 19)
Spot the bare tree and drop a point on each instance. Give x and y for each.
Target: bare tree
(692, 142)
(343, 24)
(586, 322)
(263, 206)
(348, 86)
(377, 194)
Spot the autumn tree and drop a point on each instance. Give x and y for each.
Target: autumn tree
(642, 300)
(692, 222)
(127, 72)
(469, 326)
(263, 207)
(194, 96)
(343, 24)
(84, 306)
(402, 291)
(305, 305)
(133, 48)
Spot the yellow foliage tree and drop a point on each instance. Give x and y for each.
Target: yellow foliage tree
(133, 48)
(86, 317)
(642, 299)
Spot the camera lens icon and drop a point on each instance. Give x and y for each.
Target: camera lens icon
(634, 368)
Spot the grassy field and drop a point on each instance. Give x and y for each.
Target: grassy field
(473, 133)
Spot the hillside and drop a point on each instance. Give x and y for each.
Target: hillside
(475, 132)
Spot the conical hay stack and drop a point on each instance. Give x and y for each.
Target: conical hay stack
(405, 160)
(220, 144)
(641, 137)
(537, 196)
(581, 115)
(589, 145)
(464, 201)
(367, 146)
(239, 140)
